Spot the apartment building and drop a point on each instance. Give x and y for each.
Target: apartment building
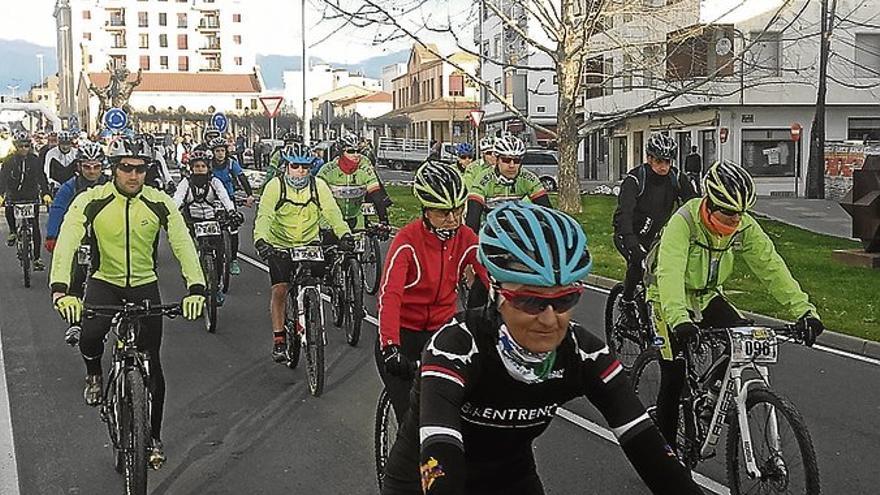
(322, 79)
(731, 83)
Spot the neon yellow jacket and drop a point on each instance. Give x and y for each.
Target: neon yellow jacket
(289, 218)
(686, 275)
(126, 230)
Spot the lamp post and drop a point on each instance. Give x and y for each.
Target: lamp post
(40, 57)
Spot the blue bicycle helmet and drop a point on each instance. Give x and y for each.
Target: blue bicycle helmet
(528, 244)
(464, 150)
(297, 153)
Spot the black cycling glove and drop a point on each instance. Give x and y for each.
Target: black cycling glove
(264, 249)
(397, 364)
(810, 327)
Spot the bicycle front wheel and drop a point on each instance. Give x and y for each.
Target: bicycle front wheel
(372, 264)
(781, 445)
(25, 248)
(211, 277)
(314, 341)
(293, 336)
(133, 433)
(384, 434)
(354, 302)
(625, 343)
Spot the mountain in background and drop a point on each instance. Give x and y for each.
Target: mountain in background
(21, 67)
(273, 66)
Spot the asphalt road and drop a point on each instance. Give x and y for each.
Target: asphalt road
(236, 423)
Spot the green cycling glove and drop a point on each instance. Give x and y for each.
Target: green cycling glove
(192, 306)
(70, 308)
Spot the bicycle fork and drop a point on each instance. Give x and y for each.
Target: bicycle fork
(743, 420)
(301, 314)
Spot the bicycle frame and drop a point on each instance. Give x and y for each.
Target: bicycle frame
(300, 282)
(126, 356)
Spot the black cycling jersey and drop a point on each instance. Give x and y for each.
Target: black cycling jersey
(471, 424)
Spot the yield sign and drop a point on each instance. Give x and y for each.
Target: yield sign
(477, 117)
(272, 104)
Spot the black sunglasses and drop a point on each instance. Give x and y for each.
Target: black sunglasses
(126, 168)
(351, 150)
(298, 165)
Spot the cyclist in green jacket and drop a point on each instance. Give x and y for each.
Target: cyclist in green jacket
(688, 268)
(292, 208)
(506, 181)
(125, 218)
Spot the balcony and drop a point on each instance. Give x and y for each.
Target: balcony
(211, 46)
(209, 24)
(212, 68)
(115, 23)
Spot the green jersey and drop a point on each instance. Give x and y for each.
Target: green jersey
(125, 230)
(350, 190)
(289, 217)
(473, 173)
(491, 192)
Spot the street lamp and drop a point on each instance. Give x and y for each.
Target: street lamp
(40, 56)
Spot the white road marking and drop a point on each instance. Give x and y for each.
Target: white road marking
(563, 413)
(8, 465)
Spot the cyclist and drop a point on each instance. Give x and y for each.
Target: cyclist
(158, 174)
(491, 380)
(7, 145)
(426, 260)
(229, 171)
(127, 267)
(90, 162)
(352, 179)
(687, 269)
(505, 182)
(487, 152)
(210, 133)
(58, 163)
(649, 194)
(290, 138)
(289, 215)
(470, 169)
(22, 179)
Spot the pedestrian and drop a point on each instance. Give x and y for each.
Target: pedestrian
(693, 168)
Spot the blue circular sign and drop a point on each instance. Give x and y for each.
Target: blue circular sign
(220, 121)
(115, 119)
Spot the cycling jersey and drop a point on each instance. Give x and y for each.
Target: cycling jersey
(350, 190)
(488, 192)
(126, 230)
(289, 217)
(198, 203)
(419, 280)
(22, 178)
(58, 166)
(229, 173)
(471, 423)
(64, 197)
(690, 265)
(473, 173)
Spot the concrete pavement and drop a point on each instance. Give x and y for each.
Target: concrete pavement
(816, 215)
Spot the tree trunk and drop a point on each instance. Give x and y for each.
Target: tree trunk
(567, 74)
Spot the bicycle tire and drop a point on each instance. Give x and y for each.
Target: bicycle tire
(383, 438)
(135, 439)
(354, 301)
(115, 417)
(337, 294)
(736, 474)
(294, 340)
(623, 344)
(24, 254)
(314, 341)
(212, 279)
(372, 266)
(227, 256)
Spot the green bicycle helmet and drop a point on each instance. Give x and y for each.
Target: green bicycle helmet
(438, 185)
(730, 187)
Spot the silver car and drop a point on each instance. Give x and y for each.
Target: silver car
(545, 164)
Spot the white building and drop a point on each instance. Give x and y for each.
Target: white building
(389, 72)
(322, 79)
(156, 36)
(753, 101)
(532, 91)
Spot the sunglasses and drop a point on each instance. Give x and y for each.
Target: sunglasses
(87, 166)
(445, 213)
(24, 145)
(139, 169)
(298, 165)
(509, 159)
(534, 303)
(351, 150)
(726, 212)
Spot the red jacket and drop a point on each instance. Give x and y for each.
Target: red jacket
(419, 282)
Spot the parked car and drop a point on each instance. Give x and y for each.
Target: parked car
(545, 164)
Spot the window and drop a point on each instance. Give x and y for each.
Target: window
(486, 48)
(864, 129)
(456, 85)
(497, 46)
(182, 42)
(236, 39)
(87, 14)
(628, 67)
(183, 63)
(693, 53)
(254, 103)
(238, 104)
(651, 61)
(181, 20)
(765, 52)
(143, 20)
(593, 77)
(236, 17)
(117, 61)
(163, 19)
(867, 55)
(163, 40)
(497, 85)
(118, 41)
(163, 62)
(540, 109)
(768, 152)
(87, 36)
(238, 61)
(143, 40)
(145, 62)
(710, 151)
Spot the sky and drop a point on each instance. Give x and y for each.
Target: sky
(32, 21)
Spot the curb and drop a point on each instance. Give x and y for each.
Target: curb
(835, 340)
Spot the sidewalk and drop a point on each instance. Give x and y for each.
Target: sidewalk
(816, 215)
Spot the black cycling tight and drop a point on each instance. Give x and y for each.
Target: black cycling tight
(411, 345)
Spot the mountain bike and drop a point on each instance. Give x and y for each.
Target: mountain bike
(768, 449)
(126, 404)
(304, 313)
(25, 216)
(627, 342)
(371, 259)
(347, 290)
(212, 255)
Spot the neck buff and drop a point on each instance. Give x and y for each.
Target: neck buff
(442, 234)
(297, 182)
(199, 180)
(347, 165)
(504, 181)
(521, 364)
(713, 225)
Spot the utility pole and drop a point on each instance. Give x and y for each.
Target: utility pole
(816, 169)
(306, 124)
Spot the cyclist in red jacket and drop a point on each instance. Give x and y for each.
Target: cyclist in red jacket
(425, 261)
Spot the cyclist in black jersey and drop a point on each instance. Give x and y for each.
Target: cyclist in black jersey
(491, 380)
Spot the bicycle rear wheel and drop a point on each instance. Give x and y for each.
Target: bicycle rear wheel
(372, 265)
(384, 434)
(314, 341)
(212, 279)
(133, 433)
(227, 256)
(781, 445)
(25, 248)
(625, 343)
(353, 307)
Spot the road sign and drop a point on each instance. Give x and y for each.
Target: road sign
(723, 134)
(272, 104)
(796, 132)
(220, 121)
(477, 117)
(115, 119)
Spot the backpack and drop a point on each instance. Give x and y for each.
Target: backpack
(640, 175)
(313, 189)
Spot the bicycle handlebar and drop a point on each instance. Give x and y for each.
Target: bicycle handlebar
(131, 310)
